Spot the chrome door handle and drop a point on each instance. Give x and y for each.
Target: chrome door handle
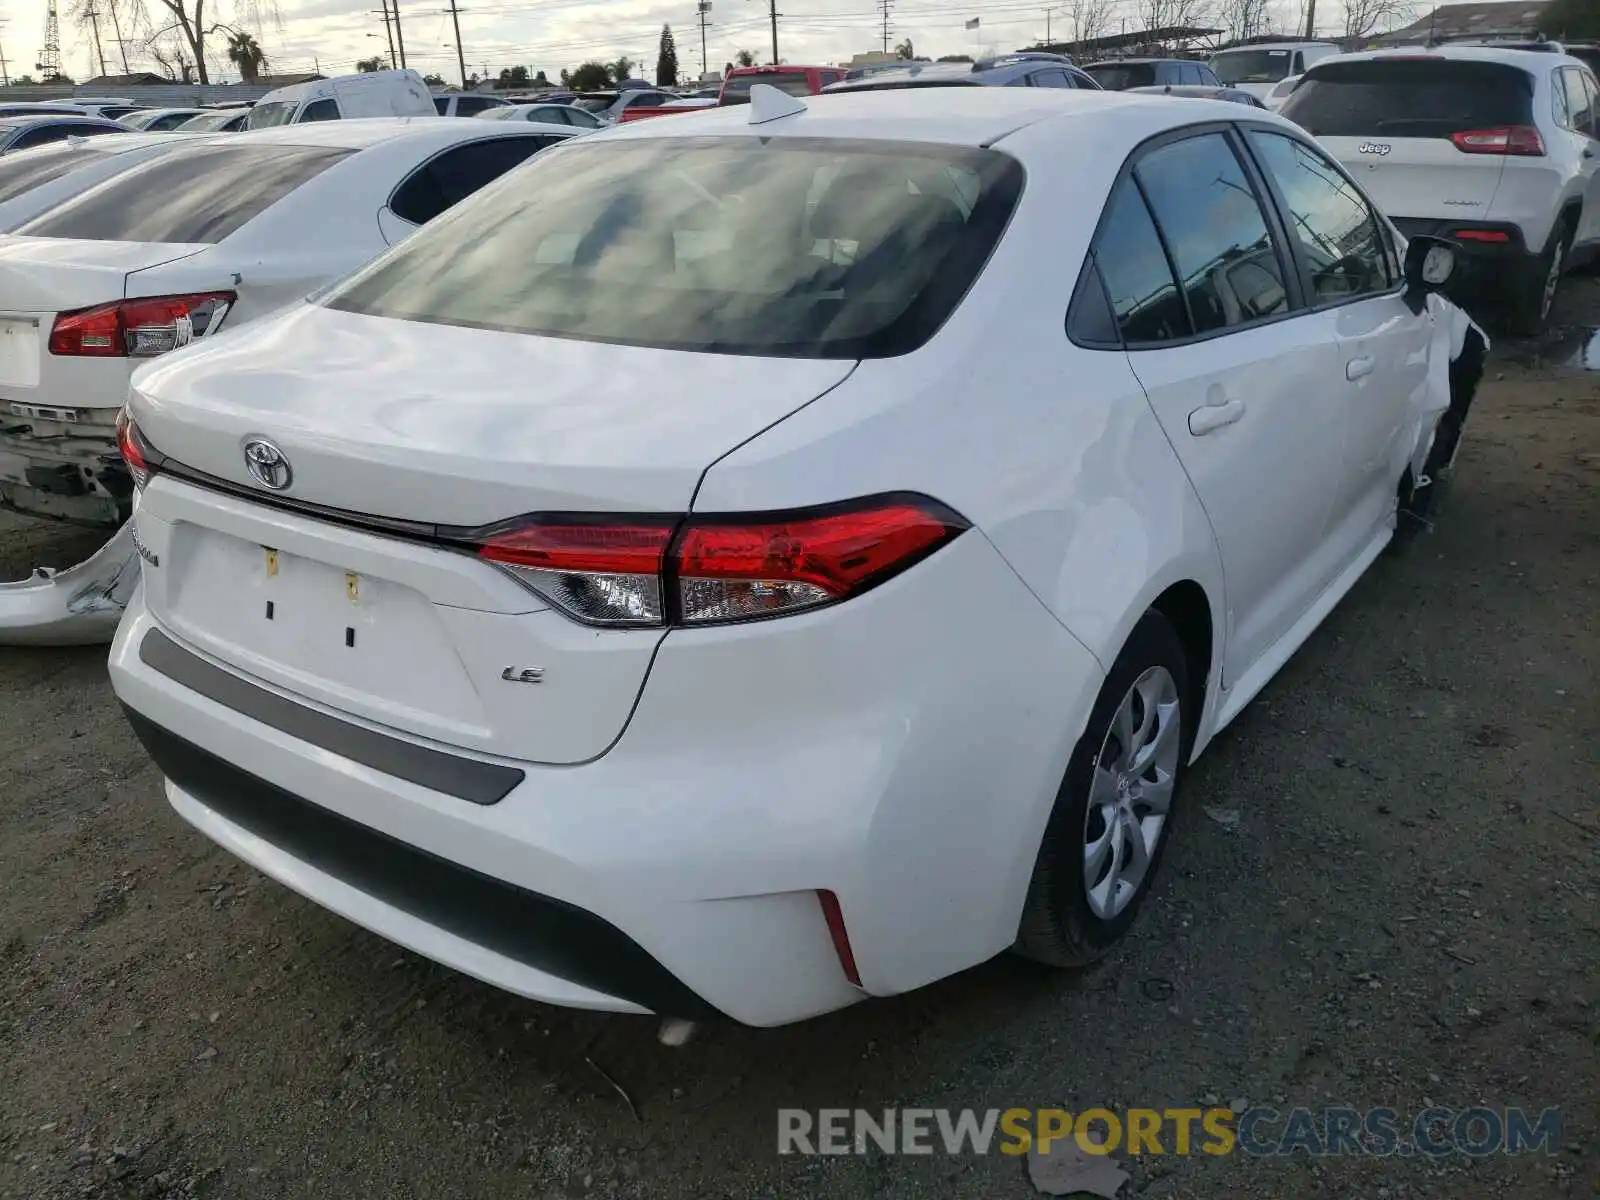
(1356, 368)
(1214, 416)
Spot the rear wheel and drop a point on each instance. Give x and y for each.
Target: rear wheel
(1531, 309)
(1113, 813)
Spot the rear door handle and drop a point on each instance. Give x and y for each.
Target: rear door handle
(1214, 416)
(1356, 368)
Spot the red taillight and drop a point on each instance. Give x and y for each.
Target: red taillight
(1523, 140)
(706, 570)
(1481, 235)
(133, 449)
(603, 570)
(140, 328)
(737, 570)
(834, 916)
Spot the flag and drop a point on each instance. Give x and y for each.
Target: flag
(973, 24)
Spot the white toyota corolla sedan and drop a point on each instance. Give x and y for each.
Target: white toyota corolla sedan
(787, 554)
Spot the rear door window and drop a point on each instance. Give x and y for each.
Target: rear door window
(1119, 77)
(1054, 79)
(466, 106)
(1410, 98)
(320, 110)
(449, 178)
(1145, 300)
(737, 89)
(1215, 231)
(198, 194)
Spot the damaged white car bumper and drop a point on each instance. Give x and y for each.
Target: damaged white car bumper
(76, 607)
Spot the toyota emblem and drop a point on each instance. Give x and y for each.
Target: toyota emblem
(267, 465)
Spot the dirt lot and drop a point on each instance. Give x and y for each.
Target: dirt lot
(1406, 912)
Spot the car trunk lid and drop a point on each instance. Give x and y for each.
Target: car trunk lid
(400, 436)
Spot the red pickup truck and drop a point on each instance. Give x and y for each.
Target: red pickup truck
(797, 81)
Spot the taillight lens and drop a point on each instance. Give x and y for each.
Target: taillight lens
(140, 328)
(133, 448)
(706, 570)
(605, 571)
(738, 570)
(1523, 140)
(1481, 235)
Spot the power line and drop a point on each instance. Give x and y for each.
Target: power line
(702, 8)
(885, 6)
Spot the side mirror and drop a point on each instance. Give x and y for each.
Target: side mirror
(1430, 263)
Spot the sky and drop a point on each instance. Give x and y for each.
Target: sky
(547, 35)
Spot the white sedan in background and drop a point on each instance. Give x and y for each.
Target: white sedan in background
(545, 114)
(209, 235)
(869, 639)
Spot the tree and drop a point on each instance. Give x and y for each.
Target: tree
(434, 79)
(621, 69)
(590, 77)
(1247, 18)
(667, 60)
(246, 53)
(1362, 17)
(181, 27)
(1571, 19)
(1090, 18)
(515, 77)
(372, 64)
(745, 59)
(541, 80)
(905, 50)
(1168, 14)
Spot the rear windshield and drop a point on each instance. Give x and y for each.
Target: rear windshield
(1118, 77)
(30, 168)
(1251, 66)
(737, 89)
(199, 194)
(594, 103)
(214, 120)
(278, 112)
(1418, 98)
(796, 247)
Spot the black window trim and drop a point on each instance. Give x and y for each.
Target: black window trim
(1280, 202)
(1295, 284)
(503, 135)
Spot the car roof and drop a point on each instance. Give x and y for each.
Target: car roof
(959, 116)
(17, 120)
(360, 132)
(1117, 62)
(1528, 60)
(1298, 45)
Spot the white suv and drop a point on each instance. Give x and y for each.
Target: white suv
(1497, 148)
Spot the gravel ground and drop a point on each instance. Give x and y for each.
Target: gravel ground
(1406, 911)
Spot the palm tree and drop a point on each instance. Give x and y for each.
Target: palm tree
(245, 53)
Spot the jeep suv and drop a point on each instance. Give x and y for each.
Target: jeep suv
(1494, 147)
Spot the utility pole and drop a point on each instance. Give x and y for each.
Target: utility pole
(461, 59)
(122, 42)
(94, 23)
(1047, 27)
(703, 8)
(1311, 18)
(773, 6)
(884, 6)
(399, 34)
(388, 30)
(49, 64)
(5, 76)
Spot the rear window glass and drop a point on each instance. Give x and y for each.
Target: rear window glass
(30, 168)
(794, 248)
(1117, 77)
(189, 195)
(1252, 66)
(1419, 98)
(737, 89)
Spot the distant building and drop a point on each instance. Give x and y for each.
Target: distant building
(872, 58)
(278, 81)
(137, 79)
(1504, 20)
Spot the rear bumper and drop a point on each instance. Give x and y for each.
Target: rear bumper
(902, 751)
(1484, 269)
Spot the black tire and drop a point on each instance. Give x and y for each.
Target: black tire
(1058, 926)
(1532, 302)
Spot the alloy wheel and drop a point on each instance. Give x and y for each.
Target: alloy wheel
(1131, 792)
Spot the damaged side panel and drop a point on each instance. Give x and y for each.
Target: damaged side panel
(76, 607)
